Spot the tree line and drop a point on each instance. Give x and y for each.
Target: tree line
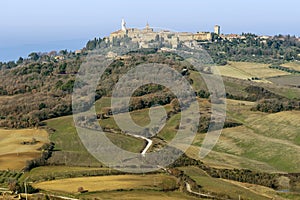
(252, 48)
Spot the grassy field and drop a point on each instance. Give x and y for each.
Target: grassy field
(221, 187)
(268, 142)
(110, 183)
(169, 130)
(245, 70)
(140, 117)
(138, 195)
(70, 150)
(198, 81)
(290, 80)
(237, 87)
(127, 143)
(13, 154)
(104, 102)
(293, 65)
(45, 173)
(289, 92)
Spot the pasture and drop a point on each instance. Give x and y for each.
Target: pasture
(13, 153)
(292, 65)
(265, 142)
(290, 80)
(220, 187)
(156, 182)
(138, 195)
(246, 70)
(70, 150)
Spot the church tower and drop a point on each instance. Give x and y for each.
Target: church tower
(148, 28)
(123, 25)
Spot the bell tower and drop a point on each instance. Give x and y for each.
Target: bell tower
(123, 25)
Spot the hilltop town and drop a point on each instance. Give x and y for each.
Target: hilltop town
(148, 34)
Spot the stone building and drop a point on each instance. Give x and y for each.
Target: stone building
(204, 36)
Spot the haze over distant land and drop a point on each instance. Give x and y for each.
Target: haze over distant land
(33, 25)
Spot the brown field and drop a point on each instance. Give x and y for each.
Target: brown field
(242, 70)
(139, 195)
(13, 154)
(109, 183)
(293, 65)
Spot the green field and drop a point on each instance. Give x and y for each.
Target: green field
(246, 70)
(169, 130)
(104, 102)
(70, 150)
(268, 142)
(140, 117)
(198, 81)
(236, 75)
(229, 189)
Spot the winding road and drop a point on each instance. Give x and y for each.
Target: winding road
(149, 142)
(189, 189)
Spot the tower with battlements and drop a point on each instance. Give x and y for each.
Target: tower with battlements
(217, 29)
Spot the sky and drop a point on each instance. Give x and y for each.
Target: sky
(42, 26)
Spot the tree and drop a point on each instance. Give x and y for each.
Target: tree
(42, 106)
(34, 56)
(63, 52)
(156, 38)
(20, 61)
(52, 53)
(11, 64)
(91, 45)
(62, 68)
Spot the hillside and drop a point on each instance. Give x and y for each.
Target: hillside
(256, 155)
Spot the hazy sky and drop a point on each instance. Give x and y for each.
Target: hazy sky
(35, 25)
